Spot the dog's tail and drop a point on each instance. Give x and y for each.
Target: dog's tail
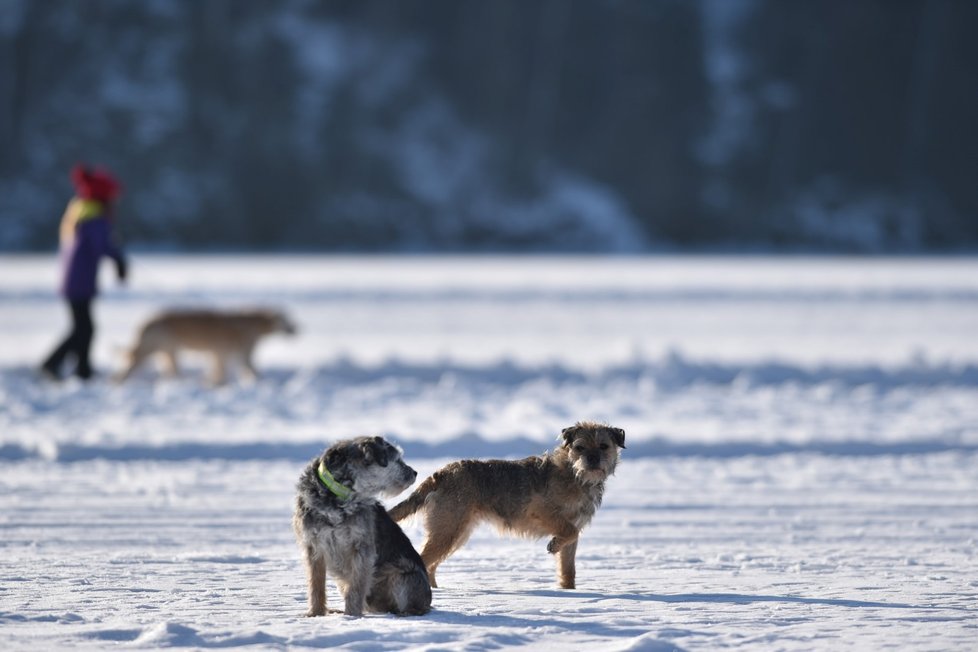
(415, 501)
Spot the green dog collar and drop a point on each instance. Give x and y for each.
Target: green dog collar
(330, 483)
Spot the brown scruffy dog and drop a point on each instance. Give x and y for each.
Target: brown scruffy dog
(226, 336)
(554, 494)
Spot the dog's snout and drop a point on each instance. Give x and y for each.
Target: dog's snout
(593, 459)
(408, 473)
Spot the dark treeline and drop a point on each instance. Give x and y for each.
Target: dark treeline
(465, 125)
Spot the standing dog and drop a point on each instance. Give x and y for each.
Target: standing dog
(554, 494)
(226, 336)
(343, 530)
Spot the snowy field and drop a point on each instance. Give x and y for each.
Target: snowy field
(801, 468)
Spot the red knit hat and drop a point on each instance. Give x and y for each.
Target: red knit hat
(97, 184)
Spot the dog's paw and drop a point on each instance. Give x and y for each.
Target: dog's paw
(354, 608)
(313, 614)
(554, 546)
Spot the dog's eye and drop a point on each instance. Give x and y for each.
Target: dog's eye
(604, 447)
(579, 448)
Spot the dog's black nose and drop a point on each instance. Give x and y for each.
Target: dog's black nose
(593, 459)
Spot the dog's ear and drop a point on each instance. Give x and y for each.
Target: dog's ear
(375, 450)
(568, 434)
(618, 436)
(283, 323)
(335, 457)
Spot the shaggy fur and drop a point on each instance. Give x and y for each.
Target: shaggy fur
(227, 336)
(353, 539)
(554, 494)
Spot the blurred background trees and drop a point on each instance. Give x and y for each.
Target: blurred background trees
(464, 125)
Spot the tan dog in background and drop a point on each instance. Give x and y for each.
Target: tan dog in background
(226, 336)
(553, 494)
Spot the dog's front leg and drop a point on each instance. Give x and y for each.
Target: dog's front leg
(316, 571)
(564, 535)
(361, 575)
(170, 366)
(564, 545)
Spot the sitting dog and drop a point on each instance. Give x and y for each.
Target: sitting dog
(225, 335)
(553, 494)
(343, 530)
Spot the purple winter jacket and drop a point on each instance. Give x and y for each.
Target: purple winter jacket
(80, 258)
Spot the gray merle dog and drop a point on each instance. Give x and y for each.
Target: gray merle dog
(343, 530)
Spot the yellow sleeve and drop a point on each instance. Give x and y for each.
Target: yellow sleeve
(69, 220)
(78, 210)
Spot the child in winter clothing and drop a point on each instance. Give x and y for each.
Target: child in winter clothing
(86, 236)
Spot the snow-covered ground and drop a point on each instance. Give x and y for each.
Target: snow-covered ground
(801, 470)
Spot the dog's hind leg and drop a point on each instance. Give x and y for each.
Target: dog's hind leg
(400, 592)
(412, 594)
(417, 590)
(248, 366)
(316, 571)
(447, 532)
(218, 369)
(566, 571)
